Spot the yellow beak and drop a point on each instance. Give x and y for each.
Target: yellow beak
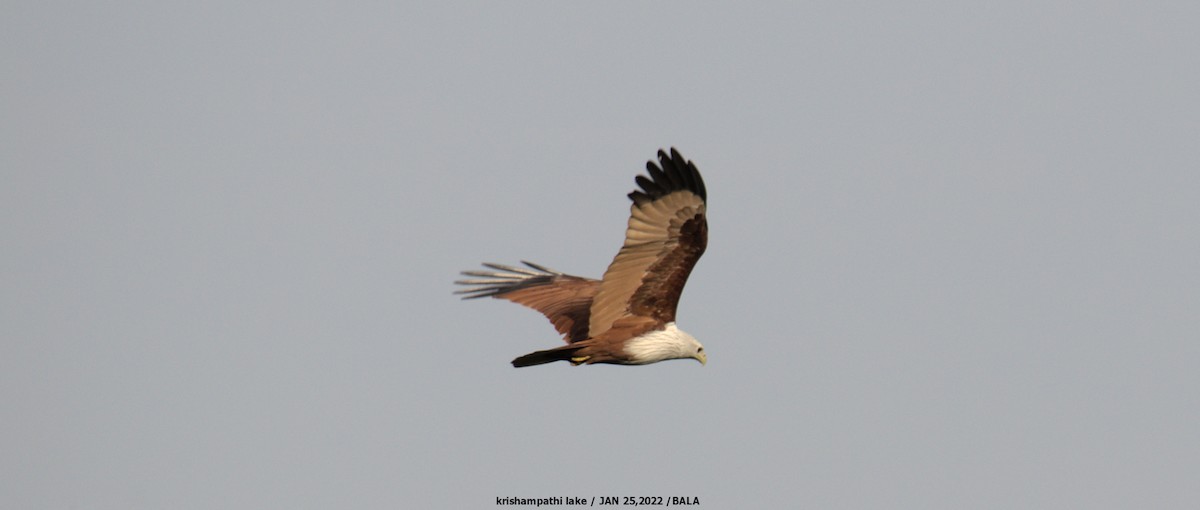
(702, 358)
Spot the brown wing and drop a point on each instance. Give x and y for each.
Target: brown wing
(564, 299)
(666, 235)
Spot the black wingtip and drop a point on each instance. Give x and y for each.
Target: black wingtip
(563, 353)
(672, 173)
(503, 279)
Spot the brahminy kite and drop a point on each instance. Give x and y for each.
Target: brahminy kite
(627, 317)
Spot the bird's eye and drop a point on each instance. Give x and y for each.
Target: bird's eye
(700, 349)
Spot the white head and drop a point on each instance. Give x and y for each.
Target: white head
(664, 344)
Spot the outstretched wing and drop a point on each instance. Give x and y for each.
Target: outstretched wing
(562, 298)
(666, 235)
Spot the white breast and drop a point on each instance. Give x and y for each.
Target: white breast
(664, 344)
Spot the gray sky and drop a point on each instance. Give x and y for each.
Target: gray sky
(952, 261)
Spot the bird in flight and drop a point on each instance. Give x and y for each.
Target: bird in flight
(628, 316)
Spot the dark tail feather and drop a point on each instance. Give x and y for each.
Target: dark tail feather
(564, 353)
